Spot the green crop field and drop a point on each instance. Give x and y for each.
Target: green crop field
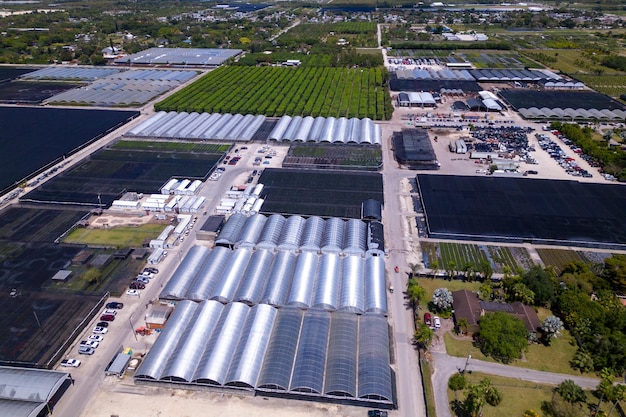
(499, 257)
(152, 145)
(611, 85)
(361, 34)
(273, 91)
(119, 237)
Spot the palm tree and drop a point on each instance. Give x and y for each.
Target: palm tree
(434, 267)
(423, 336)
(415, 293)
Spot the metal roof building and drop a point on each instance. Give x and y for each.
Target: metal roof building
(199, 126)
(264, 349)
(569, 113)
(306, 280)
(25, 392)
(331, 130)
(180, 56)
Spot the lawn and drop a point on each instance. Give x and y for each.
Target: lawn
(560, 353)
(119, 237)
(517, 396)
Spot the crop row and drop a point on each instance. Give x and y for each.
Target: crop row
(558, 258)
(273, 91)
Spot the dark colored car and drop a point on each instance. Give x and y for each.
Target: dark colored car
(376, 413)
(115, 305)
(428, 320)
(107, 317)
(102, 324)
(136, 285)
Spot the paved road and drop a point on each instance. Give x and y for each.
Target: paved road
(445, 366)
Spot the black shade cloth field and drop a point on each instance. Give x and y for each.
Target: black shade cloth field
(396, 84)
(516, 209)
(524, 99)
(109, 173)
(31, 92)
(318, 193)
(31, 138)
(9, 73)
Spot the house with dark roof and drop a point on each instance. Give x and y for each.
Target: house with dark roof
(467, 305)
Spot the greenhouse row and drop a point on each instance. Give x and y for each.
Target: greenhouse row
(281, 278)
(180, 56)
(584, 114)
(313, 234)
(330, 130)
(71, 73)
(130, 87)
(199, 126)
(424, 74)
(263, 349)
(513, 75)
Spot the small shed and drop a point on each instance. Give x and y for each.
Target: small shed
(157, 316)
(62, 275)
(118, 365)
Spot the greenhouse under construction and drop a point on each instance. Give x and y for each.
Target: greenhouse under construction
(285, 352)
(306, 280)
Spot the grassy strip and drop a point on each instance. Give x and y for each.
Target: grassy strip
(119, 237)
(428, 388)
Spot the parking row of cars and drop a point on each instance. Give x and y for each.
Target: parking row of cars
(141, 280)
(568, 163)
(91, 343)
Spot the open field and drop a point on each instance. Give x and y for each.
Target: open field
(119, 237)
(569, 61)
(360, 34)
(560, 352)
(558, 258)
(273, 91)
(517, 396)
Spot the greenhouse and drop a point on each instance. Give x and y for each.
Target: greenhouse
(306, 280)
(330, 130)
(199, 126)
(287, 351)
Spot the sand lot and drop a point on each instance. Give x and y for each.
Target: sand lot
(123, 399)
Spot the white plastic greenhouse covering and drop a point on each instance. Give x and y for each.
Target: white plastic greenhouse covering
(199, 126)
(264, 349)
(331, 130)
(71, 73)
(125, 88)
(305, 280)
(295, 232)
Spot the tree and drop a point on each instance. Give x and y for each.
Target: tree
(582, 361)
(480, 394)
(551, 328)
(484, 292)
(485, 269)
(570, 392)
(502, 336)
(457, 382)
(423, 336)
(92, 275)
(450, 269)
(520, 292)
(615, 272)
(415, 293)
(463, 325)
(539, 282)
(434, 267)
(442, 299)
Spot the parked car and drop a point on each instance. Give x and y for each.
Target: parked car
(110, 312)
(102, 324)
(437, 322)
(95, 338)
(86, 350)
(107, 317)
(134, 293)
(135, 285)
(428, 319)
(90, 343)
(151, 270)
(115, 305)
(376, 413)
(70, 363)
(100, 330)
(143, 279)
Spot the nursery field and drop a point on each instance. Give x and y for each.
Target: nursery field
(362, 34)
(275, 91)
